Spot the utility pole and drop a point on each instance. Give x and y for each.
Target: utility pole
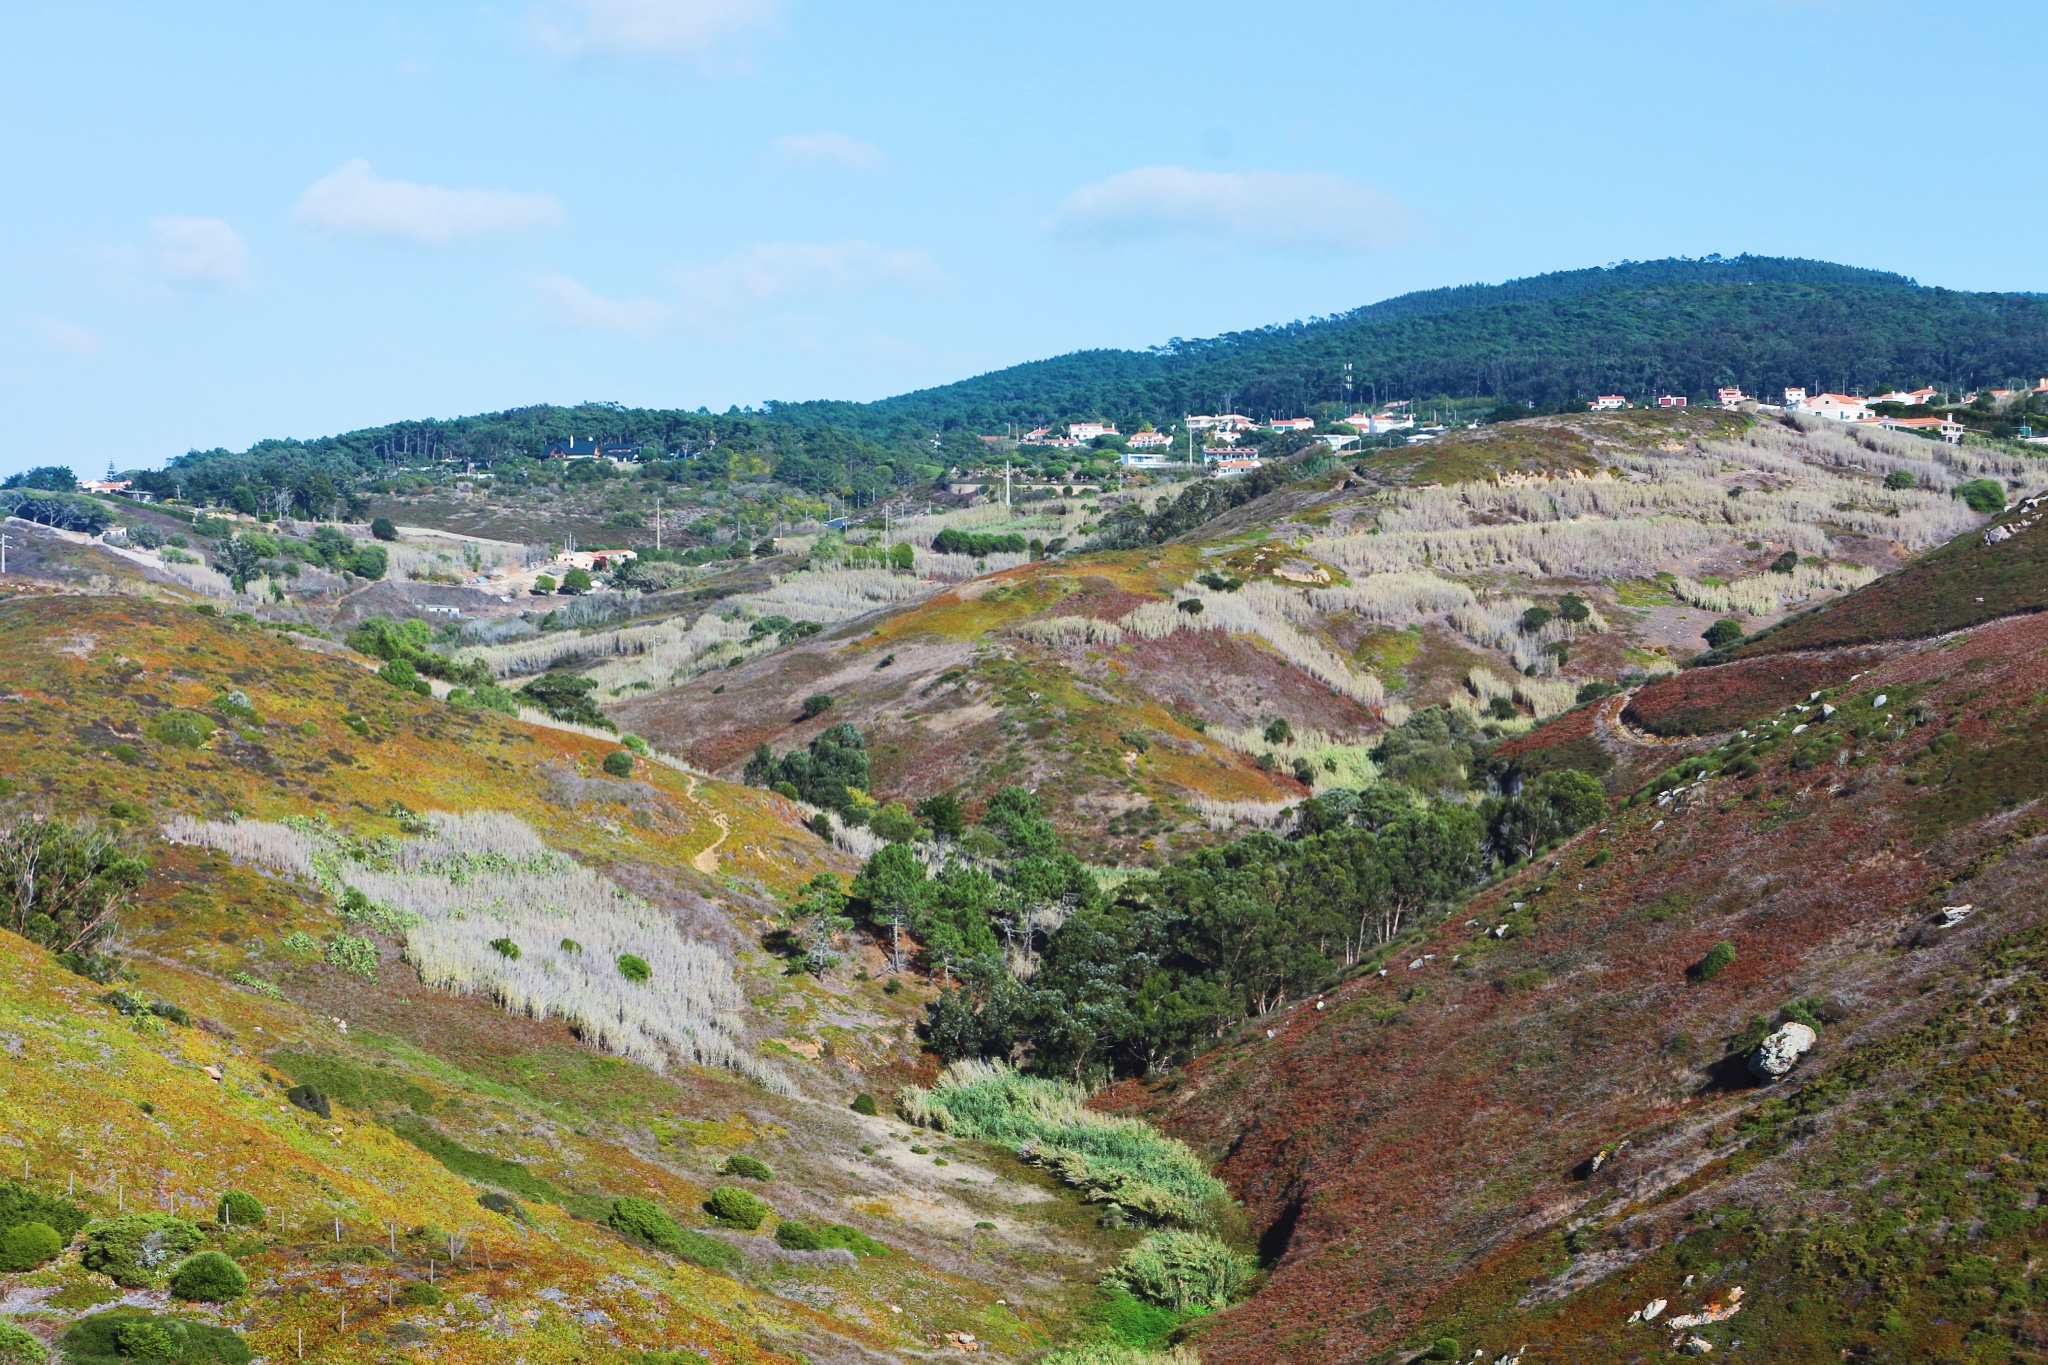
(657, 525)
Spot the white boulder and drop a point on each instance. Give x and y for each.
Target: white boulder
(1777, 1054)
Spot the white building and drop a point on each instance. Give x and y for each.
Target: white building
(1917, 398)
(1794, 398)
(1293, 424)
(1946, 428)
(1143, 459)
(1671, 400)
(1731, 397)
(1373, 423)
(1088, 431)
(1148, 440)
(1836, 407)
(1608, 402)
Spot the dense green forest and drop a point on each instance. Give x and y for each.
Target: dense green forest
(1674, 326)
(1550, 341)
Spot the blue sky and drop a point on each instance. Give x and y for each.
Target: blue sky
(231, 221)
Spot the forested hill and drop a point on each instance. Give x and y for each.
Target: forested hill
(1673, 326)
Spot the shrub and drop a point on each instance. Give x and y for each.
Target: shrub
(796, 1237)
(504, 1204)
(240, 1210)
(1278, 731)
(399, 674)
(1182, 1270)
(543, 584)
(1190, 605)
(351, 954)
(1786, 562)
(619, 763)
(817, 705)
(19, 1204)
(29, 1245)
(210, 1277)
(369, 561)
(732, 1205)
(748, 1168)
(1717, 960)
(310, 1100)
(1899, 480)
(420, 1294)
(1982, 495)
(19, 1347)
(864, 1103)
(505, 948)
(635, 969)
(1535, 619)
(125, 1335)
(1443, 1348)
(383, 528)
(576, 581)
(635, 743)
(134, 1248)
(1723, 633)
(641, 1219)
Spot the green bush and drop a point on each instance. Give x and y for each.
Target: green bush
(796, 1236)
(619, 763)
(635, 968)
(1443, 1348)
(209, 1277)
(182, 729)
(240, 1210)
(543, 584)
(1723, 633)
(19, 1347)
(635, 743)
(1182, 1270)
(506, 948)
(19, 1204)
(504, 1204)
(864, 1103)
(383, 528)
(400, 674)
(134, 1249)
(310, 1100)
(369, 561)
(747, 1167)
(126, 1335)
(27, 1246)
(1717, 960)
(1982, 495)
(735, 1206)
(576, 580)
(817, 705)
(649, 1223)
(419, 1294)
(352, 954)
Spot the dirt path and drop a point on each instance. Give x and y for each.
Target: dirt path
(706, 861)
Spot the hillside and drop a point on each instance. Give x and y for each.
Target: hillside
(474, 1125)
(1675, 326)
(1538, 1120)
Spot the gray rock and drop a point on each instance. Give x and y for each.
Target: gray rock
(1777, 1054)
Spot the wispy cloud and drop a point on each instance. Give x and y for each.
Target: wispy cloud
(355, 201)
(831, 148)
(706, 33)
(772, 272)
(1258, 208)
(67, 337)
(204, 252)
(575, 305)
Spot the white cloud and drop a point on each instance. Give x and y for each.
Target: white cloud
(575, 305)
(200, 251)
(831, 148)
(801, 271)
(67, 337)
(700, 31)
(354, 201)
(1264, 208)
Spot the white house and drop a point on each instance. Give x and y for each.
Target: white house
(1143, 459)
(1608, 402)
(1231, 463)
(1917, 398)
(1948, 429)
(1795, 397)
(1293, 424)
(592, 561)
(1836, 407)
(1035, 435)
(1222, 421)
(1731, 397)
(1088, 431)
(1148, 440)
(1372, 424)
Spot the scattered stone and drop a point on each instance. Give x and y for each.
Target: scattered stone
(1778, 1053)
(1695, 1346)
(1882, 698)
(1952, 915)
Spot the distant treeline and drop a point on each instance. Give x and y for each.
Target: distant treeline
(1639, 328)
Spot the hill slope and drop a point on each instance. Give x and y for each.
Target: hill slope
(1676, 326)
